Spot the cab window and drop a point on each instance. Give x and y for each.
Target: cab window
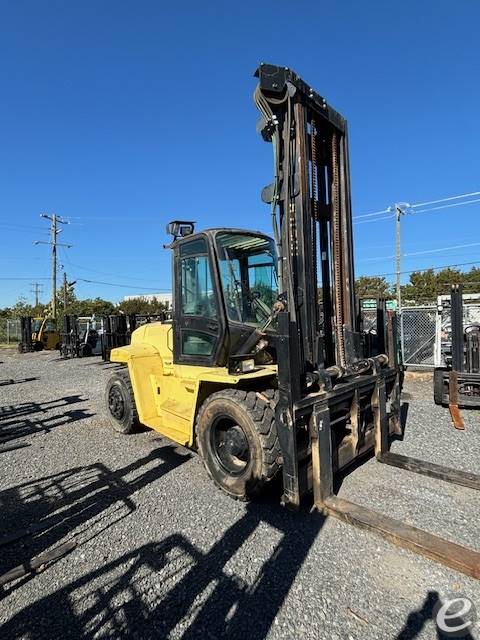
(198, 297)
(198, 301)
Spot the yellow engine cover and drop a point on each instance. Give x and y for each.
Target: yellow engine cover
(167, 395)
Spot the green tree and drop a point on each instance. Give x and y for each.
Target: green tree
(89, 307)
(373, 286)
(142, 306)
(24, 308)
(425, 286)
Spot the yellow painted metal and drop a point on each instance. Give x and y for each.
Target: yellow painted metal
(47, 334)
(167, 395)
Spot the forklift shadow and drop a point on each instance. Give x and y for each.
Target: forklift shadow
(166, 587)
(28, 419)
(23, 408)
(83, 501)
(4, 383)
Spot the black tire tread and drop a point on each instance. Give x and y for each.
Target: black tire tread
(125, 377)
(261, 408)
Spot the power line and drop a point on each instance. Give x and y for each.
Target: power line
(375, 220)
(425, 252)
(370, 215)
(445, 266)
(21, 226)
(424, 204)
(104, 273)
(445, 206)
(117, 219)
(455, 246)
(463, 195)
(125, 286)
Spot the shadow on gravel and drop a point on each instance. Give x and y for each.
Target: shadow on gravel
(173, 587)
(4, 383)
(418, 619)
(26, 419)
(83, 500)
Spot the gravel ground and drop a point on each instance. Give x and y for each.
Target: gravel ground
(162, 554)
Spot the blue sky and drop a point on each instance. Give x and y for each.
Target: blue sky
(121, 116)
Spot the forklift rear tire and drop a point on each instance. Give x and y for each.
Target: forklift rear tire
(237, 440)
(38, 346)
(120, 403)
(438, 386)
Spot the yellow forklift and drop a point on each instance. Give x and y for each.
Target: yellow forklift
(264, 369)
(38, 334)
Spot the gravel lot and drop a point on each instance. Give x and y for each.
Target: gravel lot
(162, 554)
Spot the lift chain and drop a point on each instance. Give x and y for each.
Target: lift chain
(337, 253)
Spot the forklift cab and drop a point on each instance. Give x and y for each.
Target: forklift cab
(45, 334)
(225, 284)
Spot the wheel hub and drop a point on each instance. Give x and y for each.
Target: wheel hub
(231, 446)
(116, 403)
(235, 442)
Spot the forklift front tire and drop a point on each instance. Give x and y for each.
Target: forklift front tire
(120, 403)
(85, 351)
(237, 440)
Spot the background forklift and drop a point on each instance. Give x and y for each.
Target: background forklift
(38, 334)
(263, 369)
(457, 353)
(81, 336)
(118, 329)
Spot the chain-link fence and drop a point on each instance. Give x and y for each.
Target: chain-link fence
(418, 336)
(10, 331)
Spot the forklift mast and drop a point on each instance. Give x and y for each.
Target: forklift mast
(318, 343)
(312, 221)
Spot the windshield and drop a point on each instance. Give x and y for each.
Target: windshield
(249, 278)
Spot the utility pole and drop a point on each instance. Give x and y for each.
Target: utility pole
(54, 231)
(398, 214)
(65, 290)
(37, 291)
(400, 209)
